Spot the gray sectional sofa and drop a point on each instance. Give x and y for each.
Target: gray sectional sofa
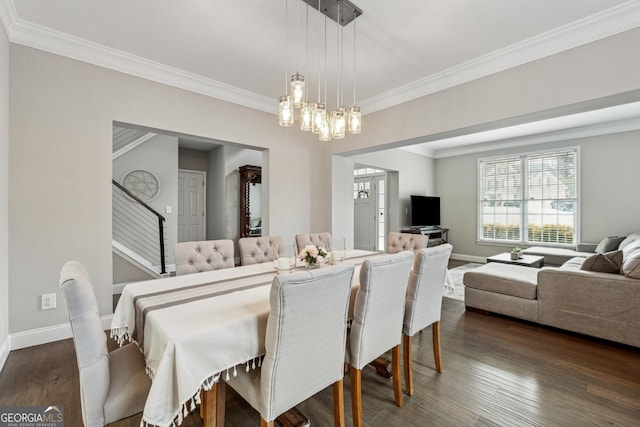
(574, 296)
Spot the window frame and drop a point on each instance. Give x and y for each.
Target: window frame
(525, 187)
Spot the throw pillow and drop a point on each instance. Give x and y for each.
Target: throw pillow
(631, 266)
(609, 262)
(609, 244)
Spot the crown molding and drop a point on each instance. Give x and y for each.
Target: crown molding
(39, 37)
(607, 23)
(7, 15)
(595, 27)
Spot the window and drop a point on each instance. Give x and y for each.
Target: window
(529, 198)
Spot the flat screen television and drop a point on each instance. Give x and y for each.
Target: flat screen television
(425, 211)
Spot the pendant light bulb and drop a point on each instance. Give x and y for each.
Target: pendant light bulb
(285, 111)
(306, 116)
(355, 120)
(297, 90)
(318, 118)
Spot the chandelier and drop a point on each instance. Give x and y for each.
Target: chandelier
(314, 116)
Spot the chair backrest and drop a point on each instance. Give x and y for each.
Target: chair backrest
(318, 239)
(195, 257)
(379, 307)
(424, 292)
(89, 340)
(306, 336)
(256, 250)
(398, 242)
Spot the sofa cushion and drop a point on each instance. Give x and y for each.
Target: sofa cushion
(573, 264)
(629, 249)
(554, 256)
(609, 244)
(514, 280)
(631, 265)
(609, 262)
(634, 237)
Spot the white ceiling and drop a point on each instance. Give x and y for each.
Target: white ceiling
(232, 50)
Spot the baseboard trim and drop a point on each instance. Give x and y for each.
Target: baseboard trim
(4, 351)
(470, 258)
(48, 334)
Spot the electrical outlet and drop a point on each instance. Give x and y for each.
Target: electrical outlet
(48, 301)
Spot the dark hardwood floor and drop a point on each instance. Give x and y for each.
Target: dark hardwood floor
(496, 372)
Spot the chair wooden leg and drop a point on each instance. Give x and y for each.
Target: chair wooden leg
(437, 355)
(212, 406)
(408, 363)
(356, 396)
(397, 374)
(264, 423)
(338, 404)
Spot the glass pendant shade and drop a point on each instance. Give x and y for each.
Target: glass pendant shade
(355, 120)
(297, 90)
(319, 116)
(338, 124)
(306, 114)
(325, 130)
(285, 111)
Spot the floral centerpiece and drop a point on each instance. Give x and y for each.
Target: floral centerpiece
(313, 256)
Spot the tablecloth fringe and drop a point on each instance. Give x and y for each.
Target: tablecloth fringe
(206, 385)
(120, 334)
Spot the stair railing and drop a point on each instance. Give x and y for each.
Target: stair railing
(160, 218)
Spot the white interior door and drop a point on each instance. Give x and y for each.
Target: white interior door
(364, 210)
(191, 205)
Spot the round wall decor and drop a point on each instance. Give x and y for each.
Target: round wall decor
(142, 183)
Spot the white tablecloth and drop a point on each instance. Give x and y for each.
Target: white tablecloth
(194, 328)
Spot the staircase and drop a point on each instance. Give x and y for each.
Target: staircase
(139, 232)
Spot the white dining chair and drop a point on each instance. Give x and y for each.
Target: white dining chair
(424, 304)
(113, 385)
(398, 242)
(256, 250)
(206, 255)
(322, 240)
(377, 321)
(304, 343)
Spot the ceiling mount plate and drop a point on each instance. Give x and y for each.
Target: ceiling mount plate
(331, 7)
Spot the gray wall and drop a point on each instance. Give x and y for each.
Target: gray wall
(61, 131)
(195, 160)
(4, 194)
(608, 190)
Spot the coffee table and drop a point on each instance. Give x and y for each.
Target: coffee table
(534, 261)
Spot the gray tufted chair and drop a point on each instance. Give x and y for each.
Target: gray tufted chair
(377, 321)
(207, 255)
(318, 239)
(424, 304)
(256, 250)
(304, 343)
(113, 385)
(398, 242)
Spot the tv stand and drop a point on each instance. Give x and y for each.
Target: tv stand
(436, 235)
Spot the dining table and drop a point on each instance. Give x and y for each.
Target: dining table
(197, 329)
